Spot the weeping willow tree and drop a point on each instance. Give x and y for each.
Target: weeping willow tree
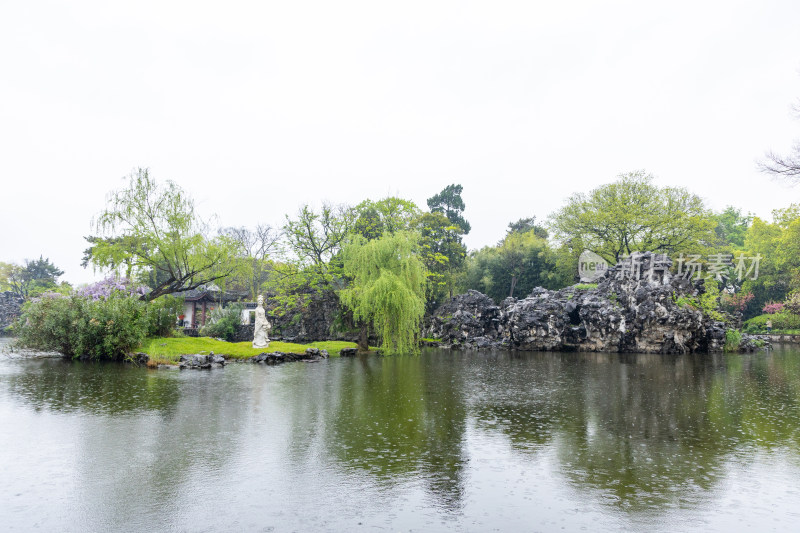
(387, 291)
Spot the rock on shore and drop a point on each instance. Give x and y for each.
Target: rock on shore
(202, 361)
(626, 312)
(274, 358)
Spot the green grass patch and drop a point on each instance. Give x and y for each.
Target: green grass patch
(585, 286)
(169, 350)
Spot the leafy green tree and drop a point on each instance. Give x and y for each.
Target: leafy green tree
(632, 214)
(126, 260)
(477, 271)
(388, 215)
(42, 270)
(442, 252)
(732, 226)
(369, 223)
(148, 226)
(450, 204)
(313, 266)
(524, 261)
(34, 278)
(513, 258)
(567, 258)
(7, 270)
(387, 289)
(778, 245)
(316, 237)
(253, 248)
(524, 225)
(520, 263)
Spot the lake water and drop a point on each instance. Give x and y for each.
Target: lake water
(444, 441)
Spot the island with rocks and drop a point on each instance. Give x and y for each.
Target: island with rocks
(621, 313)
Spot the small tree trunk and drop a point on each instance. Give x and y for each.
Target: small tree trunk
(363, 338)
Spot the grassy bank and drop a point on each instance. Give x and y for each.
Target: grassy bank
(168, 350)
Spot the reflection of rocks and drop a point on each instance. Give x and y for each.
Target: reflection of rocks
(625, 313)
(202, 361)
(274, 358)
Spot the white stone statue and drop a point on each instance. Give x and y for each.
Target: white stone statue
(262, 326)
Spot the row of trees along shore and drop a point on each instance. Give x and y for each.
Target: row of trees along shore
(389, 261)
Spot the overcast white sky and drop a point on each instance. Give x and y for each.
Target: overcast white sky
(257, 107)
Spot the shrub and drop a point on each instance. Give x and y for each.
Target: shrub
(781, 321)
(707, 303)
(772, 307)
(76, 325)
(733, 339)
(792, 303)
(686, 301)
(161, 316)
(106, 320)
(222, 322)
(735, 303)
(44, 323)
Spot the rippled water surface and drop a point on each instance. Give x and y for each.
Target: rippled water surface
(444, 441)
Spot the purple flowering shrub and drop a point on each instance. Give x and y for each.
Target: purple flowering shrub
(112, 285)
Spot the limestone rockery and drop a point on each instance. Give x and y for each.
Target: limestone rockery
(10, 305)
(633, 309)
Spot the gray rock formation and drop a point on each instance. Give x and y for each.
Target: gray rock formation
(754, 343)
(202, 361)
(274, 358)
(10, 305)
(318, 317)
(470, 320)
(139, 358)
(633, 309)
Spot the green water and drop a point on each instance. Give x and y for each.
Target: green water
(444, 441)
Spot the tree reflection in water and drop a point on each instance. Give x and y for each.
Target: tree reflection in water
(638, 433)
(643, 431)
(402, 418)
